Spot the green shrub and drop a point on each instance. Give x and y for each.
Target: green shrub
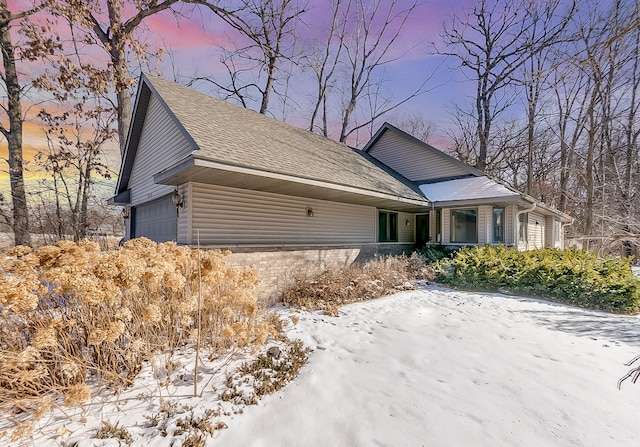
(435, 253)
(573, 276)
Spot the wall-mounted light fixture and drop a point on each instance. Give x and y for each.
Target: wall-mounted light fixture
(177, 199)
(407, 223)
(309, 211)
(124, 213)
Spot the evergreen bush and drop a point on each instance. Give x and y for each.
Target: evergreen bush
(577, 277)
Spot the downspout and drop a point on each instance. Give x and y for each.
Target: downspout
(516, 225)
(562, 232)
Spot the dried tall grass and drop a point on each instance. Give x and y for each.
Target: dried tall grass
(71, 311)
(332, 287)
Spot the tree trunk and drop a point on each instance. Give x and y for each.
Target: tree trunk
(271, 70)
(84, 206)
(589, 180)
(14, 139)
(119, 60)
(483, 109)
(530, 137)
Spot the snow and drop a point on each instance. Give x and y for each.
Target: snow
(466, 189)
(427, 367)
(437, 367)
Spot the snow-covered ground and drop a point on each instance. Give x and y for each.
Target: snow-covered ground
(431, 367)
(437, 367)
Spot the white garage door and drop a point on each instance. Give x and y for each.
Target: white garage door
(156, 220)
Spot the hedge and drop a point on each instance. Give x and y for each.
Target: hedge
(576, 277)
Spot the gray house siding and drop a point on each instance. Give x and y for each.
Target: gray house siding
(411, 160)
(162, 143)
(536, 231)
(230, 216)
(406, 233)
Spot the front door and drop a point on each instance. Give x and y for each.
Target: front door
(422, 230)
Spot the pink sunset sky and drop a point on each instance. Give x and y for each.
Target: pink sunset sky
(192, 47)
(194, 50)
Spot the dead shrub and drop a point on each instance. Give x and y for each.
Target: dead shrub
(114, 431)
(335, 286)
(71, 311)
(265, 375)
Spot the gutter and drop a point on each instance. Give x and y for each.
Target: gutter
(564, 225)
(516, 225)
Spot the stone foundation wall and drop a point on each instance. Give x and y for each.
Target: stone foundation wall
(276, 265)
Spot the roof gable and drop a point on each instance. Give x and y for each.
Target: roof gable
(415, 159)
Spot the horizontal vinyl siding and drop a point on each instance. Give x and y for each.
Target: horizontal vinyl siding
(411, 160)
(406, 233)
(446, 225)
(509, 229)
(536, 232)
(184, 216)
(162, 144)
(236, 216)
(549, 231)
(485, 222)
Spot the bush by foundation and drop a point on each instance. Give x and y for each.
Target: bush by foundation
(572, 276)
(334, 286)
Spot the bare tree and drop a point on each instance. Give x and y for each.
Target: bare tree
(37, 45)
(570, 91)
(110, 26)
(492, 41)
(536, 70)
(75, 137)
(415, 124)
(72, 160)
(113, 25)
(270, 28)
(324, 60)
(373, 29)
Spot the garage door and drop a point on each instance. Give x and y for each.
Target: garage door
(156, 220)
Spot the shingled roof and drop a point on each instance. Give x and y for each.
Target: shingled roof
(230, 135)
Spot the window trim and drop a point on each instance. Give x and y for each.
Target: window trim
(523, 228)
(503, 224)
(389, 227)
(451, 225)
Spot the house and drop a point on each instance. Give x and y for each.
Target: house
(197, 169)
(468, 207)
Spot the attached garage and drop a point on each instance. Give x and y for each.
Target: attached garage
(156, 220)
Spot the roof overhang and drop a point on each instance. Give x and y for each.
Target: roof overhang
(498, 201)
(483, 190)
(124, 198)
(521, 200)
(547, 210)
(199, 170)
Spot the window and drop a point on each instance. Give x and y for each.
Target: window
(387, 226)
(439, 226)
(464, 226)
(523, 227)
(498, 225)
